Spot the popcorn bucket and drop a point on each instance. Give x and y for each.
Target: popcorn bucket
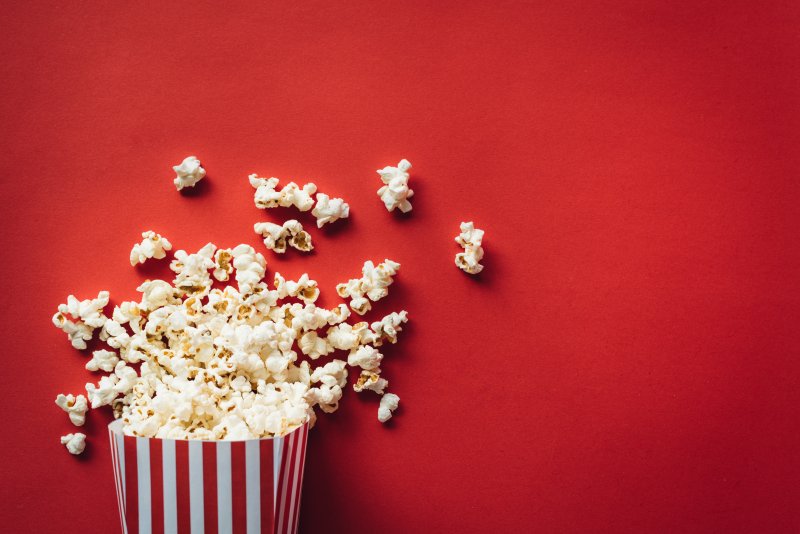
(191, 486)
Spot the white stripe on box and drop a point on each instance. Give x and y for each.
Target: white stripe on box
(298, 464)
(143, 476)
(252, 458)
(196, 486)
(277, 450)
(170, 486)
(224, 491)
(281, 505)
(290, 519)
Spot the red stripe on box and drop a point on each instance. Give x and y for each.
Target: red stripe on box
(117, 478)
(156, 486)
(238, 487)
(267, 486)
(182, 486)
(287, 472)
(131, 485)
(210, 485)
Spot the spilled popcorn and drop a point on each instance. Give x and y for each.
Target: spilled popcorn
(188, 173)
(152, 246)
(470, 239)
(395, 193)
(225, 352)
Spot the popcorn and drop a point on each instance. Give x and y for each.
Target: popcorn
(372, 286)
(389, 403)
(76, 407)
(371, 380)
(366, 357)
(250, 267)
(189, 172)
(387, 328)
(266, 196)
(78, 333)
(192, 270)
(314, 346)
(222, 363)
(470, 239)
(276, 236)
(103, 393)
(329, 209)
(223, 266)
(75, 443)
(395, 193)
(89, 311)
(102, 360)
(152, 246)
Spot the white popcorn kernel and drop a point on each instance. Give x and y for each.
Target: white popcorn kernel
(102, 360)
(372, 286)
(89, 311)
(389, 403)
(329, 209)
(371, 380)
(314, 346)
(75, 443)
(267, 196)
(192, 276)
(343, 337)
(300, 198)
(76, 407)
(188, 173)
(78, 333)
(155, 294)
(250, 267)
(387, 328)
(153, 246)
(332, 377)
(395, 193)
(103, 393)
(223, 264)
(366, 357)
(277, 237)
(470, 239)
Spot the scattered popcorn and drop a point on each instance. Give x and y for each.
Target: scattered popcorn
(189, 172)
(389, 403)
(371, 380)
(329, 210)
(102, 360)
(266, 196)
(76, 407)
(395, 193)
(366, 357)
(191, 360)
(372, 286)
(75, 443)
(223, 363)
(387, 328)
(250, 267)
(88, 315)
(223, 264)
(152, 246)
(277, 236)
(470, 239)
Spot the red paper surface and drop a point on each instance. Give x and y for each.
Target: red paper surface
(628, 362)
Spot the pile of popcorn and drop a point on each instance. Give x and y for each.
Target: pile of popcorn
(205, 358)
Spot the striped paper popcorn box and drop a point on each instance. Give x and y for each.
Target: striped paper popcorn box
(194, 486)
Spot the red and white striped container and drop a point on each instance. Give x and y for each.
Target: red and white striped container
(193, 486)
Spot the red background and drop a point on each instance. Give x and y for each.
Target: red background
(629, 360)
